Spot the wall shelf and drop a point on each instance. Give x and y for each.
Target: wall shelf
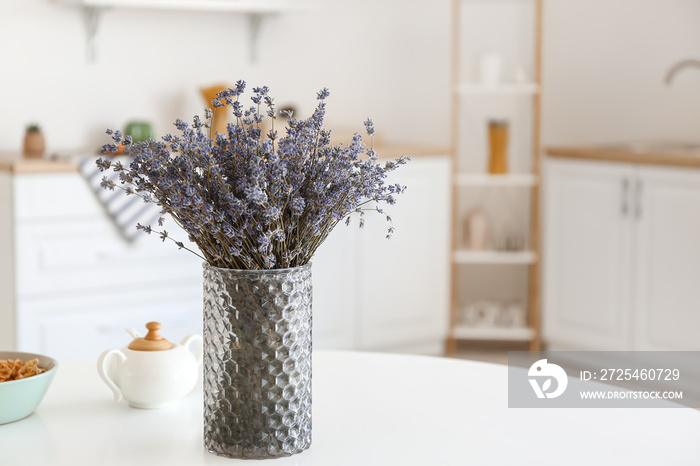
(493, 333)
(232, 6)
(255, 10)
(466, 256)
(483, 179)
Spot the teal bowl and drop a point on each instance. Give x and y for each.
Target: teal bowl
(19, 398)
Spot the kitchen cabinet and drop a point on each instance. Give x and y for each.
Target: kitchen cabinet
(70, 285)
(588, 232)
(622, 256)
(667, 268)
(335, 291)
(404, 281)
(373, 293)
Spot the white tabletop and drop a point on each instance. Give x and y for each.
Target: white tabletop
(368, 409)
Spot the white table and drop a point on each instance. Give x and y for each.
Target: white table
(368, 409)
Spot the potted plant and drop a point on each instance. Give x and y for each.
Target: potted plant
(256, 206)
(34, 144)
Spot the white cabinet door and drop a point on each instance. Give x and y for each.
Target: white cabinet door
(667, 298)
(334, 291)
(403, 281)
(588, 233)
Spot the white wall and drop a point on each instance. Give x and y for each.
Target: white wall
(604, 61)
(604, 66)
(388, 59)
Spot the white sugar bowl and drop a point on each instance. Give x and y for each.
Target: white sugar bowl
(151, 372)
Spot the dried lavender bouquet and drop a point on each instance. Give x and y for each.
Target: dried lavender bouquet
(250, 200)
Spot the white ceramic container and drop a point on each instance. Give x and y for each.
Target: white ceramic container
(154, 376)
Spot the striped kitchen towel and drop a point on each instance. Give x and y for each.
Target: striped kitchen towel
(124, 211)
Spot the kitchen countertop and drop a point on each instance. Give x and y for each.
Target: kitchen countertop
(368, 409)
(672, 156)
(391, 151)
(14, 163)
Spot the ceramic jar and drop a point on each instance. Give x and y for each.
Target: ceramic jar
(34, 144)
(151, 372)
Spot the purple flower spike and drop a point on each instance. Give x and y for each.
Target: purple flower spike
(323, 94)
(254, 197)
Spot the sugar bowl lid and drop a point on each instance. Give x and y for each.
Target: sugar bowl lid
(152, 341)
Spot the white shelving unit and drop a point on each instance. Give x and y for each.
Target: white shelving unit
(467, 180)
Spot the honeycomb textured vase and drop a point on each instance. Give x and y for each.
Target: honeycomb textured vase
(257, 362)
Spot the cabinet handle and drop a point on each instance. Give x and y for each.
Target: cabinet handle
(625, 197)
(638, 200)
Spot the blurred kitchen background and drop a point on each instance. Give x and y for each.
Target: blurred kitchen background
(553, 197)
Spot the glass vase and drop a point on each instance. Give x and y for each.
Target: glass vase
(257, 361)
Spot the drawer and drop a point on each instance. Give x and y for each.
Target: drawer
(51, 196)
(69, 256)
(82, 326)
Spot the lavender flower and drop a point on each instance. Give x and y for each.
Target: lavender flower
(369, 126)
(251, 200)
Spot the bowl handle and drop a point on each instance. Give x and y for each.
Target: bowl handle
(102, 364)
(198, 351)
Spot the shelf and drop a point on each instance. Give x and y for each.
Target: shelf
(495, 89)
(233, 6)
(462, 332)
(465, 256)
(494, 1)
(256, 10)
(484, 179)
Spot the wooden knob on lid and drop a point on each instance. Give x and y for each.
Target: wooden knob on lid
(152, 341)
